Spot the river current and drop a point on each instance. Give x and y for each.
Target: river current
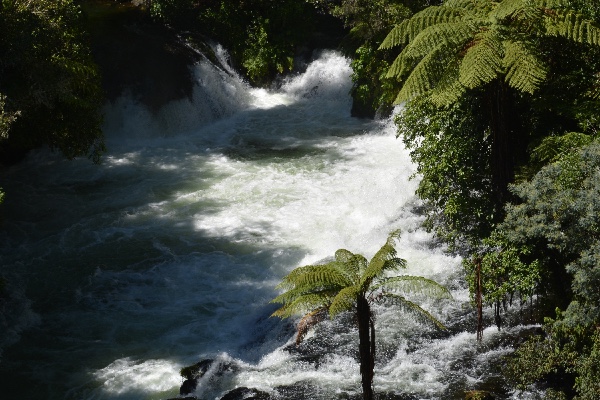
(169, 252)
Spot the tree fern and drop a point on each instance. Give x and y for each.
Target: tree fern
(408, 29)
(345, 300)
(482, 62)
(422, 78)
(413, 309)
(407, 284)
(302, 304)
(572, 26)
(310, 320)
(525, 71)
(448, 88)
(350, 283)
(454, 34)
(493, 40)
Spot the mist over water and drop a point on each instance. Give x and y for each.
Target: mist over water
(170, 250)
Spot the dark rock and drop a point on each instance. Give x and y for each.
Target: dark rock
(192, 374)
(138, 56)
(360, 109)
(188, 386)
(184, 398)
(197, 370)
(525, 334)
(244, 393)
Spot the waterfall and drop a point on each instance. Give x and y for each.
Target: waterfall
(169, 251)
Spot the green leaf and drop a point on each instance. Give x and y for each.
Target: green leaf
(482, 62)
(345, 300)
(524, 69)
(413, 309)
(408, 284)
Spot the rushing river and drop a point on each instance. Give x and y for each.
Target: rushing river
(169, 252)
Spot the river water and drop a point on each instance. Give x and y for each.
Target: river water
(169, 252)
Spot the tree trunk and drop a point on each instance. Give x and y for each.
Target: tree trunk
(507, 144)
(478, 299)
(366, 346)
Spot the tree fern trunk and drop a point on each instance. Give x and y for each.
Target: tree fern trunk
(366, 351)
(478, 299)
(508, 142)
(503, 140)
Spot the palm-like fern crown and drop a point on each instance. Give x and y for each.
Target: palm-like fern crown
(464, 44)
(337, 285)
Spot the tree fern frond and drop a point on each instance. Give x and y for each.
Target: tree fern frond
(524, 10)
(401, 66)
(315, 275)
(327, 275)
(394, 264)
(552, 4)
(448, 88)
(474, 7)
(308, 321)
(289, 280)
(408, 29)
(482, 61)
(345, 300)
(343, 255)
(385, 259)
(292, 294)
(397, 36)
(452, 34)
(394, 235)
(386, 252)
(302, 305)
(361, 263)
(431, 16)
(573, 26)
(505, 9)
(524, 69)
(415, 285)
(423, 76)
(413, 309)
(349, 264)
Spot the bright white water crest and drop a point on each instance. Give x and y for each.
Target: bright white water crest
(169, 252)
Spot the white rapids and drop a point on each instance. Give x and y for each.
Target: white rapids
(169, 251)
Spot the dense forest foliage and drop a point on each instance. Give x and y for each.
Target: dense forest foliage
(49, 84)
(500, 113)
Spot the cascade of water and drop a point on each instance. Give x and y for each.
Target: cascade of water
(170, 250)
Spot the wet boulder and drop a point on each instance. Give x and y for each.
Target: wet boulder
(191, 375)
(244, 393)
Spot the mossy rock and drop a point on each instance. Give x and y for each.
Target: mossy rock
(478, 395)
